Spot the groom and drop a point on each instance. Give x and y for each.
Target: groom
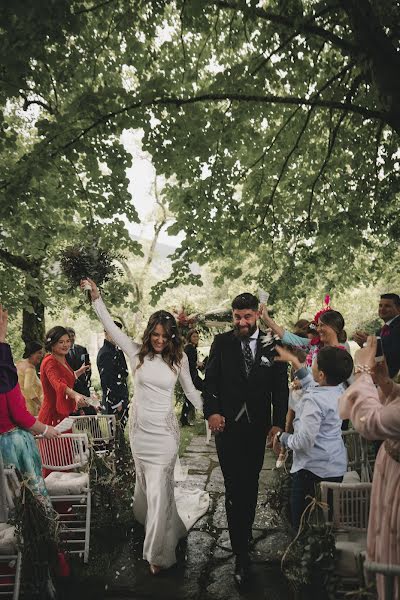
(238, 390)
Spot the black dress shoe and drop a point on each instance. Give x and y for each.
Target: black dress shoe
(241, 574)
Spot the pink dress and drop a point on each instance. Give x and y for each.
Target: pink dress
(378, 418)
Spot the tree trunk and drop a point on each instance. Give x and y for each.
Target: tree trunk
(33, 325)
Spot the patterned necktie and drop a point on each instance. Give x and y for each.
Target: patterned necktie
(248, 356)
(385, 330)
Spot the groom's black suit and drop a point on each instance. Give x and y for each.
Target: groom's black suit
(241, 445)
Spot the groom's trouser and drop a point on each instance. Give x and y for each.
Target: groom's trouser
(241, 448)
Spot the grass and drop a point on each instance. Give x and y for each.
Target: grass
(188, 432)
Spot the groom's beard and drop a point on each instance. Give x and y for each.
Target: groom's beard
(246, 331)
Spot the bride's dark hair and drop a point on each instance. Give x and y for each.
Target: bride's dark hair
(172, 353)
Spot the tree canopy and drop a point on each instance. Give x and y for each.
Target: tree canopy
(275, 123)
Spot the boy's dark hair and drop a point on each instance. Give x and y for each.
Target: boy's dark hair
(335, 363)
(394, 297)
(245, 300)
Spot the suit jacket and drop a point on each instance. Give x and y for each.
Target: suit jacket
(391, 347)
(226, 386)
(75, 361)
(113, 372)
(191, 352)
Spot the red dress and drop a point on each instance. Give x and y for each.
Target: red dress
(55, 378)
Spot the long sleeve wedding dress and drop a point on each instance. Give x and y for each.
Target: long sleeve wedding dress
(167, 512)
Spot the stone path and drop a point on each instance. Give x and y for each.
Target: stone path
(205, 565)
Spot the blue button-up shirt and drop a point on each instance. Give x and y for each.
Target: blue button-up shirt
(317, 439)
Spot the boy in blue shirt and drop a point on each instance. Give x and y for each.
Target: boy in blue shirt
(319, 453)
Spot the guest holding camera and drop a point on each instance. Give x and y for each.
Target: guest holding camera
(58, 379)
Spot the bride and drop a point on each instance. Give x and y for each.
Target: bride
(157, 364)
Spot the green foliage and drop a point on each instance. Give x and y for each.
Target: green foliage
(37, 528)
(112, 482)
(276, 128)
(79, 262)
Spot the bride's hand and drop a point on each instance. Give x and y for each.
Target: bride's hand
(94, 292)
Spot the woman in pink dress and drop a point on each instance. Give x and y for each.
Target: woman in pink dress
(376, 415)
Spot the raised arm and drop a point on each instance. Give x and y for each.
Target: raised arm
(122, 340)
(186, 382)
(277, 329)
(368, 415)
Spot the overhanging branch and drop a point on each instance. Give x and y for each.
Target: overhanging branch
(234, 97)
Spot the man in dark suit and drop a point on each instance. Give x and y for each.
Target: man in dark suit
(240, 384)
(191, 352)
(76, 357)
(113, 372)
(389, 312)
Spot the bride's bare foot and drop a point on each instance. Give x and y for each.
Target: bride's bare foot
(155, 569)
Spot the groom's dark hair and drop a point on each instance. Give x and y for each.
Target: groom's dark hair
(245, 300)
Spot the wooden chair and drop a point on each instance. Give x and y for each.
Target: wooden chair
(349, 507)
(67, 457)
(99, 428)
(358, 456)
(390, 573)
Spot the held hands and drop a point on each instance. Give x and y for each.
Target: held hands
(216, 423)
(94, 292)
(3, 324)
(271, 435)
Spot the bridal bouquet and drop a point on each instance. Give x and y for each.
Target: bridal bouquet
(79, 262)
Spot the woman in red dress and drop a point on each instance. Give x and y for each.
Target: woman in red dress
(57, 377)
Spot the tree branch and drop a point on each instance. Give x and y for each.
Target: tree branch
(215, 97)
(305, 27)
(15, 261)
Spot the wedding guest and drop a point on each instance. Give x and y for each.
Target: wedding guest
(330, 332)
(190, 349)
(389, 312)
(375, 413)
(17, 424)
(318, 449)
(58, 379)
(28, 379)
(76, 357)
(113, 372)
(157, 363)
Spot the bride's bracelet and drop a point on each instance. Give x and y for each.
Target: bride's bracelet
(362, 369)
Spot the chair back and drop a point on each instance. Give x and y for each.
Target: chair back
(357, 454)
(99, 428)
(64, 453)
(390, 573)
(350, 503)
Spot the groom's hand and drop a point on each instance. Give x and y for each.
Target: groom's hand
(216, 423)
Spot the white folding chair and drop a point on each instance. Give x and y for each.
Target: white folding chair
(349, 503)
(67, 456)
(99, 428)
(10, 555)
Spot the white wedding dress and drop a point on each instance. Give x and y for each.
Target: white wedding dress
(167, 512)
